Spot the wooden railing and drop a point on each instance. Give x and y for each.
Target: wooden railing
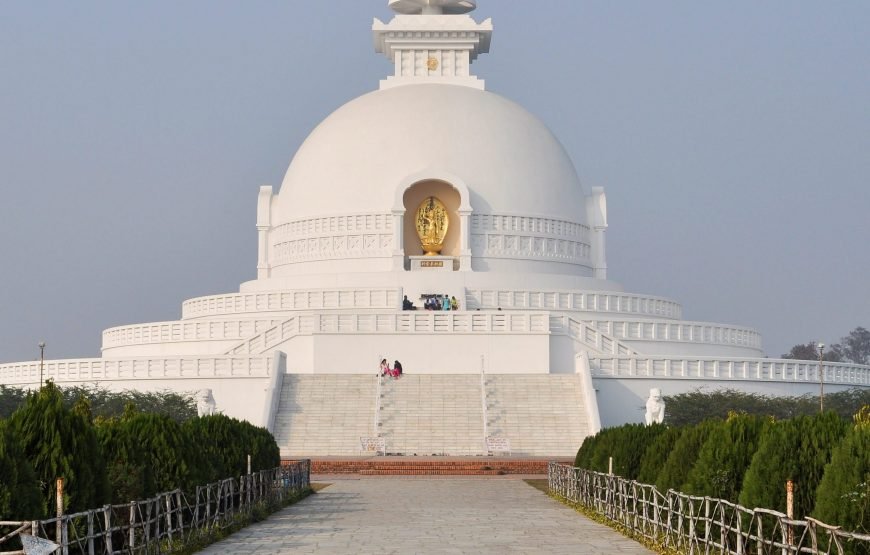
(167, 520)
(691, 524)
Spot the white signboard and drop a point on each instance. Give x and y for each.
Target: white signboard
(498, 444)
(373, 445)
(37, 546)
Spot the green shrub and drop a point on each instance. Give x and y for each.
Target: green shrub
(626, 444)
(843, 496)
(168, 457)
(797, 450)
(684, 455)
(224, 444)
(61, 444)
(20, 496)
(725, 456)
(656, 455)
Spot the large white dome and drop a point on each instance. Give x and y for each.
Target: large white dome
(355, 160)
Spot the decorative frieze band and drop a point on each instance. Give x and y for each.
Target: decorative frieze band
(333, 237)
(511, 236)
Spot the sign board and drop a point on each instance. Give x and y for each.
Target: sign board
(373, 445)
(498, 444)
(37, 546)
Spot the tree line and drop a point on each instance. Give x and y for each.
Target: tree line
(748, 459)
(118, 457)
(854, 348)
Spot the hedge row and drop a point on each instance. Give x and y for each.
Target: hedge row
(748, 459)
(118, 459)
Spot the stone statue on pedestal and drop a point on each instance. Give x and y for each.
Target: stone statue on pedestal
(655, 407)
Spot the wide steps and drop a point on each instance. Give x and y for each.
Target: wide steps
(431, 415)
(414, 466)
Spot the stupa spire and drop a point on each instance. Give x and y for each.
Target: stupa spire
(432, 41)
(432, 7)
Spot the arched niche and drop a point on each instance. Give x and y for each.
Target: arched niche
(450, 197)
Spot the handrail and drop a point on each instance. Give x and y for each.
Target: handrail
(483, 404)
(378, 379)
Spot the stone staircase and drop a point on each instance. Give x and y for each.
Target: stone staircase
(540, 414)
(432, 415)
(324, 414)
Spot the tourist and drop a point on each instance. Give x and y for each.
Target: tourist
(454, 303)
(397, 369)
(385, 367)
(445, 305)
(406, 304)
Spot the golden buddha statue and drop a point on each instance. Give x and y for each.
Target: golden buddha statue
(431, 223)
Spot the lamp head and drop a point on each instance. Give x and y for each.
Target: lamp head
(41, 345)
(821, 346)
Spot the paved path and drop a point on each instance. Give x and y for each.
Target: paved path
(380, 516)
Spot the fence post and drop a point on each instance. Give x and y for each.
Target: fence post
(58, 531)
(90, 532)
(132, 531)
(179, 514)
(168, 515)
(107, 520)
(789, 510)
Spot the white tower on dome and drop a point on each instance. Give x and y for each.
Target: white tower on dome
(432, 41)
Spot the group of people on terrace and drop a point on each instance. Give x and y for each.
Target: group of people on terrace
(394, 372)
(433, 302)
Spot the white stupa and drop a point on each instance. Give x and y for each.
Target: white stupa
(431, 187)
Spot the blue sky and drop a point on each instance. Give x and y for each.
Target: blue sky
(732, 140)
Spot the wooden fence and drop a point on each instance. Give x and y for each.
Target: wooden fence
(691, 524)
(167, 520)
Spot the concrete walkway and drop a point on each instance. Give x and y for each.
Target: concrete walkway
(380, 516)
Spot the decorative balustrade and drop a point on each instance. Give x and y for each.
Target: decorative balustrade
(295, 300)
(588, 301)
(410, 321)
(719, 368)
(190, 330)
(587, 334)
(688, 332)
(139, 368)
(684, 523)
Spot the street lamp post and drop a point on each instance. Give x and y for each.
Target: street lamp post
(821, 378)
(41, 361)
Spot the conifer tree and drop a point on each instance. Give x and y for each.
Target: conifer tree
(169, 459)
(656, 455)
(61, 444)
(225, 444)
(20, 496)
(724, 457)
(843, 497)
(684, 455)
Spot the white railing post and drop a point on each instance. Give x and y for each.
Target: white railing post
(377, 404)
(483, 405)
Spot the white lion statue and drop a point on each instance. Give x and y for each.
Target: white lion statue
(205, 404)
(655, 407)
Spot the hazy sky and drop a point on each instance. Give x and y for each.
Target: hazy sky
(733, 140)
